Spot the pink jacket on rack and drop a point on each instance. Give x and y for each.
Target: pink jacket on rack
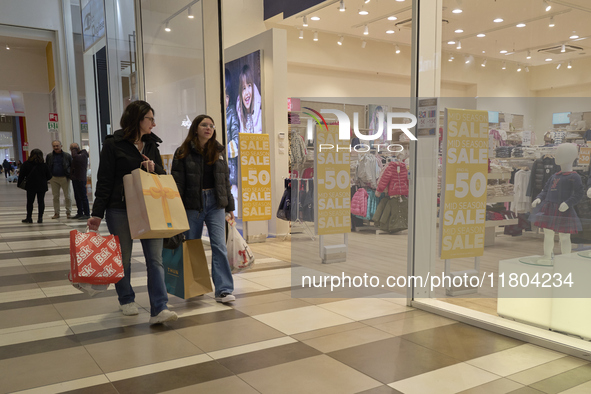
(359, 203)
(395, 179)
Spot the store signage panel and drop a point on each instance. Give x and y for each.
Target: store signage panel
(333, 190)
(53, 117)
(255, 170)
(93, 22)
(462, 212)
(584, 156)
(52, 126)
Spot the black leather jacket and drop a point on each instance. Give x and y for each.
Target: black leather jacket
(67, 162)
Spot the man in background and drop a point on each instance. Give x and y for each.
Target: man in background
(59, 163)
(78, 177)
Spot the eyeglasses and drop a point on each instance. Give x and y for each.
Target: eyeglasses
(206, 126)
(153, 120)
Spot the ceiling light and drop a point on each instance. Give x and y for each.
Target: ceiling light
(166, 28)
(7, 47)
(548, 60)
(551, 24)
(389, 31)
(315, 36)
(451, 58)
(574, 36)
(528, 55)
(397, 49)
(457, 11)
(392, 18)
(400, 1)
(459, 45)
(342, 6)
(367, 1)
(498, 20)
(315, 18)
(363, 44)
(190, 14)
(301, 34)
(459, 31)
(548, 6)
(362, 11)
(503, 51)
(340, 42)
(451, 42)
(504, 66)
(563, 48)
(484, 63)
(481, 35)
(521, 25)
(483, 51)
(559, 65)
(366, 30)
(518, 68)
(569, 65)
(305, 24)
(467, 59)
(526, 69)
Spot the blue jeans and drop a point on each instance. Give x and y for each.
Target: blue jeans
(118, 225)
(81, 197)
(215, 221)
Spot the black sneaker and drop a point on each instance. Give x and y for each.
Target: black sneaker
(78, 216)
(83, 217)
(225, 297)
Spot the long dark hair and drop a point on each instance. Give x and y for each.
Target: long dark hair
(36, 156)
(132, 116)
(246, 77)
(210, 151)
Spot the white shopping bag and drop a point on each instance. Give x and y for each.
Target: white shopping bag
(239, 253)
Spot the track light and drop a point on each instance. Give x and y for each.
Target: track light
(305, 24)
(559, 65)
(480, 35)
(166, 28)
(363, 44)
(342, 6)
(574, 36)
(301, 34)
(504, 66)
(397, 48)
(315, 18)
(526, 69)
(315, 36)
(457, 11)
(528, 55)
(367, 1)
(362, 11)
(190, 13)
(548, 6)
(569, 65)
(392, 18)
(459, 45)
(7, 47)
(451, 59)
(467, 59)
(340, 42)
(551, 24)
(366, 30)
(484, 63)
(518, 68)
(563, 49)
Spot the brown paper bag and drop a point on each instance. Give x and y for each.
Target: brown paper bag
(185, 270)
(154, 205)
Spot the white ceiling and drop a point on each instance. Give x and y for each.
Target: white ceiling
(477, 17)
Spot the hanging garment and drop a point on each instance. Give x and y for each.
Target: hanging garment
(359, 203)
(541, 171)
(367, 171)
(521, 202)
(297, 150)
(394, 179)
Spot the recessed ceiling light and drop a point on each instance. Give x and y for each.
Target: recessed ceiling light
(389, 31)
(457, 11)
(574, 36)
(363, 12)
(400, 1)
(483, 51)
(481, 35)
(458, 31)
(498, 20)
(521, 25)
(503, 51)
(548, 60)
(451, 42)
(392, 18)
(315, 18)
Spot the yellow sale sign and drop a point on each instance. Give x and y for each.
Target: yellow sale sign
(462, 212)
(333, 203)
(255, 170)
(584, 156)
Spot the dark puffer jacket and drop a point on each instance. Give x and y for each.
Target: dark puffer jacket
(118, 158)
(67, 162)
(188, 174)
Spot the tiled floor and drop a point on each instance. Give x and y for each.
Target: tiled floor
(56, 339)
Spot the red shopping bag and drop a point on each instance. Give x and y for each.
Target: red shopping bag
(95, 259)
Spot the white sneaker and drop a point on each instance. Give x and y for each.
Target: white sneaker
(129, 309)
(165, 315)
(225, 297)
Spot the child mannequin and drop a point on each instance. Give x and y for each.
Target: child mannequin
(562, 192)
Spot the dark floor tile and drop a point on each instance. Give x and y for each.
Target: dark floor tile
(106, 388)
(381, 390)
(113, 334)
(564, 381)
(173, 379)
(51, 276)
(207, 318)
(33, 227)
(34, 253)
(461, 341)
(526, 390)
(24, 304)
(15, 280)
(268, 357)
(37, 347)
(392, 359)
(264, 292)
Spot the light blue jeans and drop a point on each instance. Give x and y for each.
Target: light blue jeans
(119, 226)
(215, 220)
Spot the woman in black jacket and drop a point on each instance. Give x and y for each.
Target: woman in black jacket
(203, 180)
(131, 147)
(36, 173)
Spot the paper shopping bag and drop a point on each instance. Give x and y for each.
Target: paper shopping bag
(154, 205)
(185, 270)
(95, 259)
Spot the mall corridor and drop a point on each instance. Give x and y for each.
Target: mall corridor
(56, 339)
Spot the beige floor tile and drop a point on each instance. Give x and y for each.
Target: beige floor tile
(45, 259)
(269, 307)
(547, 370)
(229, 333)
(49, 368)
(500, 386)
(242, 286)
(299, 320)
(418, 323)
(28, 245)
(584, 388)
(20, 293)
(448, 380)
(10, 262)
(328, 331)
(27, 316)
(88, 307)
(262, 299)
(394, 317)
(229, 385)
(364, 308)
(342, 340)
(320, 374)
(273, 281)
(517, 359)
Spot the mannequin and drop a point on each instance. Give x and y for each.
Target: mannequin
(556, 214)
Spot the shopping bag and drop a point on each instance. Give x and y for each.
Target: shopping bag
(185, 270)
(154, 205)
(95, 259)
(239, 254)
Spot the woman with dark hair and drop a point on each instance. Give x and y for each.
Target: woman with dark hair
(248, 104)
(36, 173)
(202, 177)
(131, 147)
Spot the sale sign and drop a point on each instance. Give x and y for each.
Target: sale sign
(255, 170)
(463, 204)
(584, 156)
(333, 189)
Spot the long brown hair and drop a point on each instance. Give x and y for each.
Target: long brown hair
(132, 116)
(210, 151)
(246, 77)
(36, 156)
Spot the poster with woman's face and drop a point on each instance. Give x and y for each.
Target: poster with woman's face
(377, 112)
(244, 112)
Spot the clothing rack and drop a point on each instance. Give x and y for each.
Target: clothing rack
(296, 207)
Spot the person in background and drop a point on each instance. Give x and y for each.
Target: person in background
(78, 176)
(59, 163)
(131, 147)
(202, 177)
(18, 164)
(7, 168)
(248, 104)
(36, 173)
